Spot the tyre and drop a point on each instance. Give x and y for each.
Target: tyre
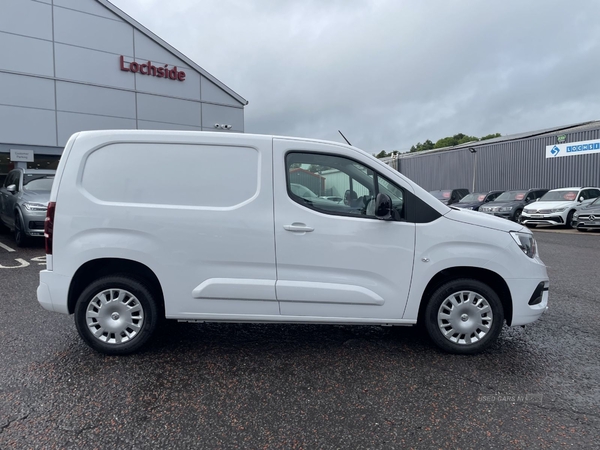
(116, 315)
(464, 316)
(569, 222)
(517, 216)
(21, 239)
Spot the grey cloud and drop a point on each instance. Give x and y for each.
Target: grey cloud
(390, 73)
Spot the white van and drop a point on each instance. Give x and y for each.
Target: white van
(206, 227)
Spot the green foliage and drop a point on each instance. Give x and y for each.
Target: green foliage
(316, 168)
(490, 136)
(450, 141)
(457, 139)
(427, 145)
(384, 154)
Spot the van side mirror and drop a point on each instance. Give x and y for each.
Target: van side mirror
(383, 207)
(12, 188)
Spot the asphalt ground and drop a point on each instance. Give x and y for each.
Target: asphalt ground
(301, 386)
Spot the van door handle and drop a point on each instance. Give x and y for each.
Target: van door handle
(298, 227)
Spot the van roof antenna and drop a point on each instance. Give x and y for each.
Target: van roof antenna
(344, 137)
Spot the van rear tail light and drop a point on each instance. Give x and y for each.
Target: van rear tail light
(49, 227)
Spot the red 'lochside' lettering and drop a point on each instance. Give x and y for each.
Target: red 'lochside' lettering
(152, 70)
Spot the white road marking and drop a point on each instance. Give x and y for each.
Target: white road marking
(41, 260)
(6, 247)
(22, 263)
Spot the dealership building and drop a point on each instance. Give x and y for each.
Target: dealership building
(565, 156)
(73, 65)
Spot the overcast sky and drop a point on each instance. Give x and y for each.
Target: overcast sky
(391, 73)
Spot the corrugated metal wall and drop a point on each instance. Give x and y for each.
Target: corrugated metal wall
(520, 164)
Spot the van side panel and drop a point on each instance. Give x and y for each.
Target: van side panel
(197, 210)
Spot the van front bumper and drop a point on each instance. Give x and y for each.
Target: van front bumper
(530, 300)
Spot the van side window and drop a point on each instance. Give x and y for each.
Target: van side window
(337, 185)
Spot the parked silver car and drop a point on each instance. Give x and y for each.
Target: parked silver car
(587, 217)
(23, 202)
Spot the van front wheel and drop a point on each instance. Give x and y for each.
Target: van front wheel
(464, 316)
(116, 315)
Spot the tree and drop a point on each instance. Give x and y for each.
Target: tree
(457, 139)
(315, 168)
(450, 141)
(384, 154)
(427, 145)
(490, 136)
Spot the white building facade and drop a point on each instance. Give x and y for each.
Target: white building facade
(73, 65)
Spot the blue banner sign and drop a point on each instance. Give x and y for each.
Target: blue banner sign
(573, 148)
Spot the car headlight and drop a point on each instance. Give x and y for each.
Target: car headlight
(526, 242)
(505, 209)
(555, 210)
(576, 215)
(30, 206)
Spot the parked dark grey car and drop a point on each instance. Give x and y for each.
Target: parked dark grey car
(476, 199)
(587, 217)
(509, 205)
(24, 199)
(449, 196)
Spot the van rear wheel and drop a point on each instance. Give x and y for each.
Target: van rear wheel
(116, 315)
(464, 316)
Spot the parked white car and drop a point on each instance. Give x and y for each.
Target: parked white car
(232, 240)
(557, 206)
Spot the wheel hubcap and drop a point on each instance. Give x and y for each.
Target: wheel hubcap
(465, 317)
(114, 316)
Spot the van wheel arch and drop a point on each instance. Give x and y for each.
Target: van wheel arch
(492, 279)
(99, 268)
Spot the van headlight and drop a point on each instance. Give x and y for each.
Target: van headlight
(30, 206)
(526, 242)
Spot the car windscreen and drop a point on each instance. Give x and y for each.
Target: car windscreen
(472, 198)
(559, 196)
(37, 182)
(511, 196)
(441, 195)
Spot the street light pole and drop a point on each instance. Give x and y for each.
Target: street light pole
(472, 150)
